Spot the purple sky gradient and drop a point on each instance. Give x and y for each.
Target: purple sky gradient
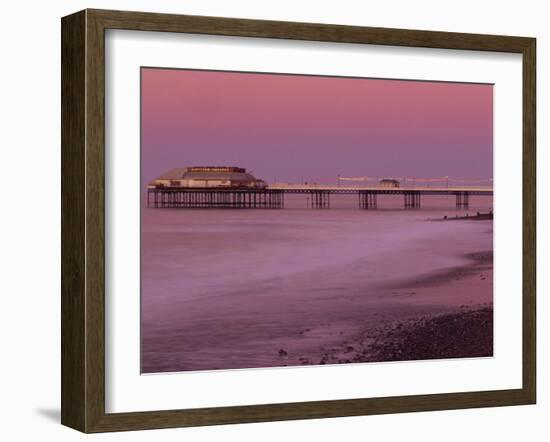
(290, 128)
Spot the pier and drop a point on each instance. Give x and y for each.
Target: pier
(273, 196)
(228, 187)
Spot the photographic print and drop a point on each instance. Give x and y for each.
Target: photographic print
(305, 220)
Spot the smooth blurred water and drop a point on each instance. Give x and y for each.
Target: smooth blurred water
(228, 288)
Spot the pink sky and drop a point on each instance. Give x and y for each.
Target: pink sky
(289, 127)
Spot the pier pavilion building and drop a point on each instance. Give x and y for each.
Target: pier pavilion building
(208, 177)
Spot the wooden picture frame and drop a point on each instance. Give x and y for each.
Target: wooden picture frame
(83, 220)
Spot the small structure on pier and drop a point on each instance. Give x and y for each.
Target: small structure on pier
(208, 177)
(389, 183)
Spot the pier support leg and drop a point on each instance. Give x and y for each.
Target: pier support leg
(462, 200)
(412, 200)
(320, 199)
(368, 200)
(230, 198)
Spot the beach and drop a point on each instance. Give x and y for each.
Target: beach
(271, 288)
(461, 327)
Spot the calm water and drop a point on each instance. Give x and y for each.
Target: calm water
(229, 288)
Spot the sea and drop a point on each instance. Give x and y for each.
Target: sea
(243, 288)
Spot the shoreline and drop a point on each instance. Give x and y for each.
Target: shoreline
(466, 332)
(453, 327)
(479, 262)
